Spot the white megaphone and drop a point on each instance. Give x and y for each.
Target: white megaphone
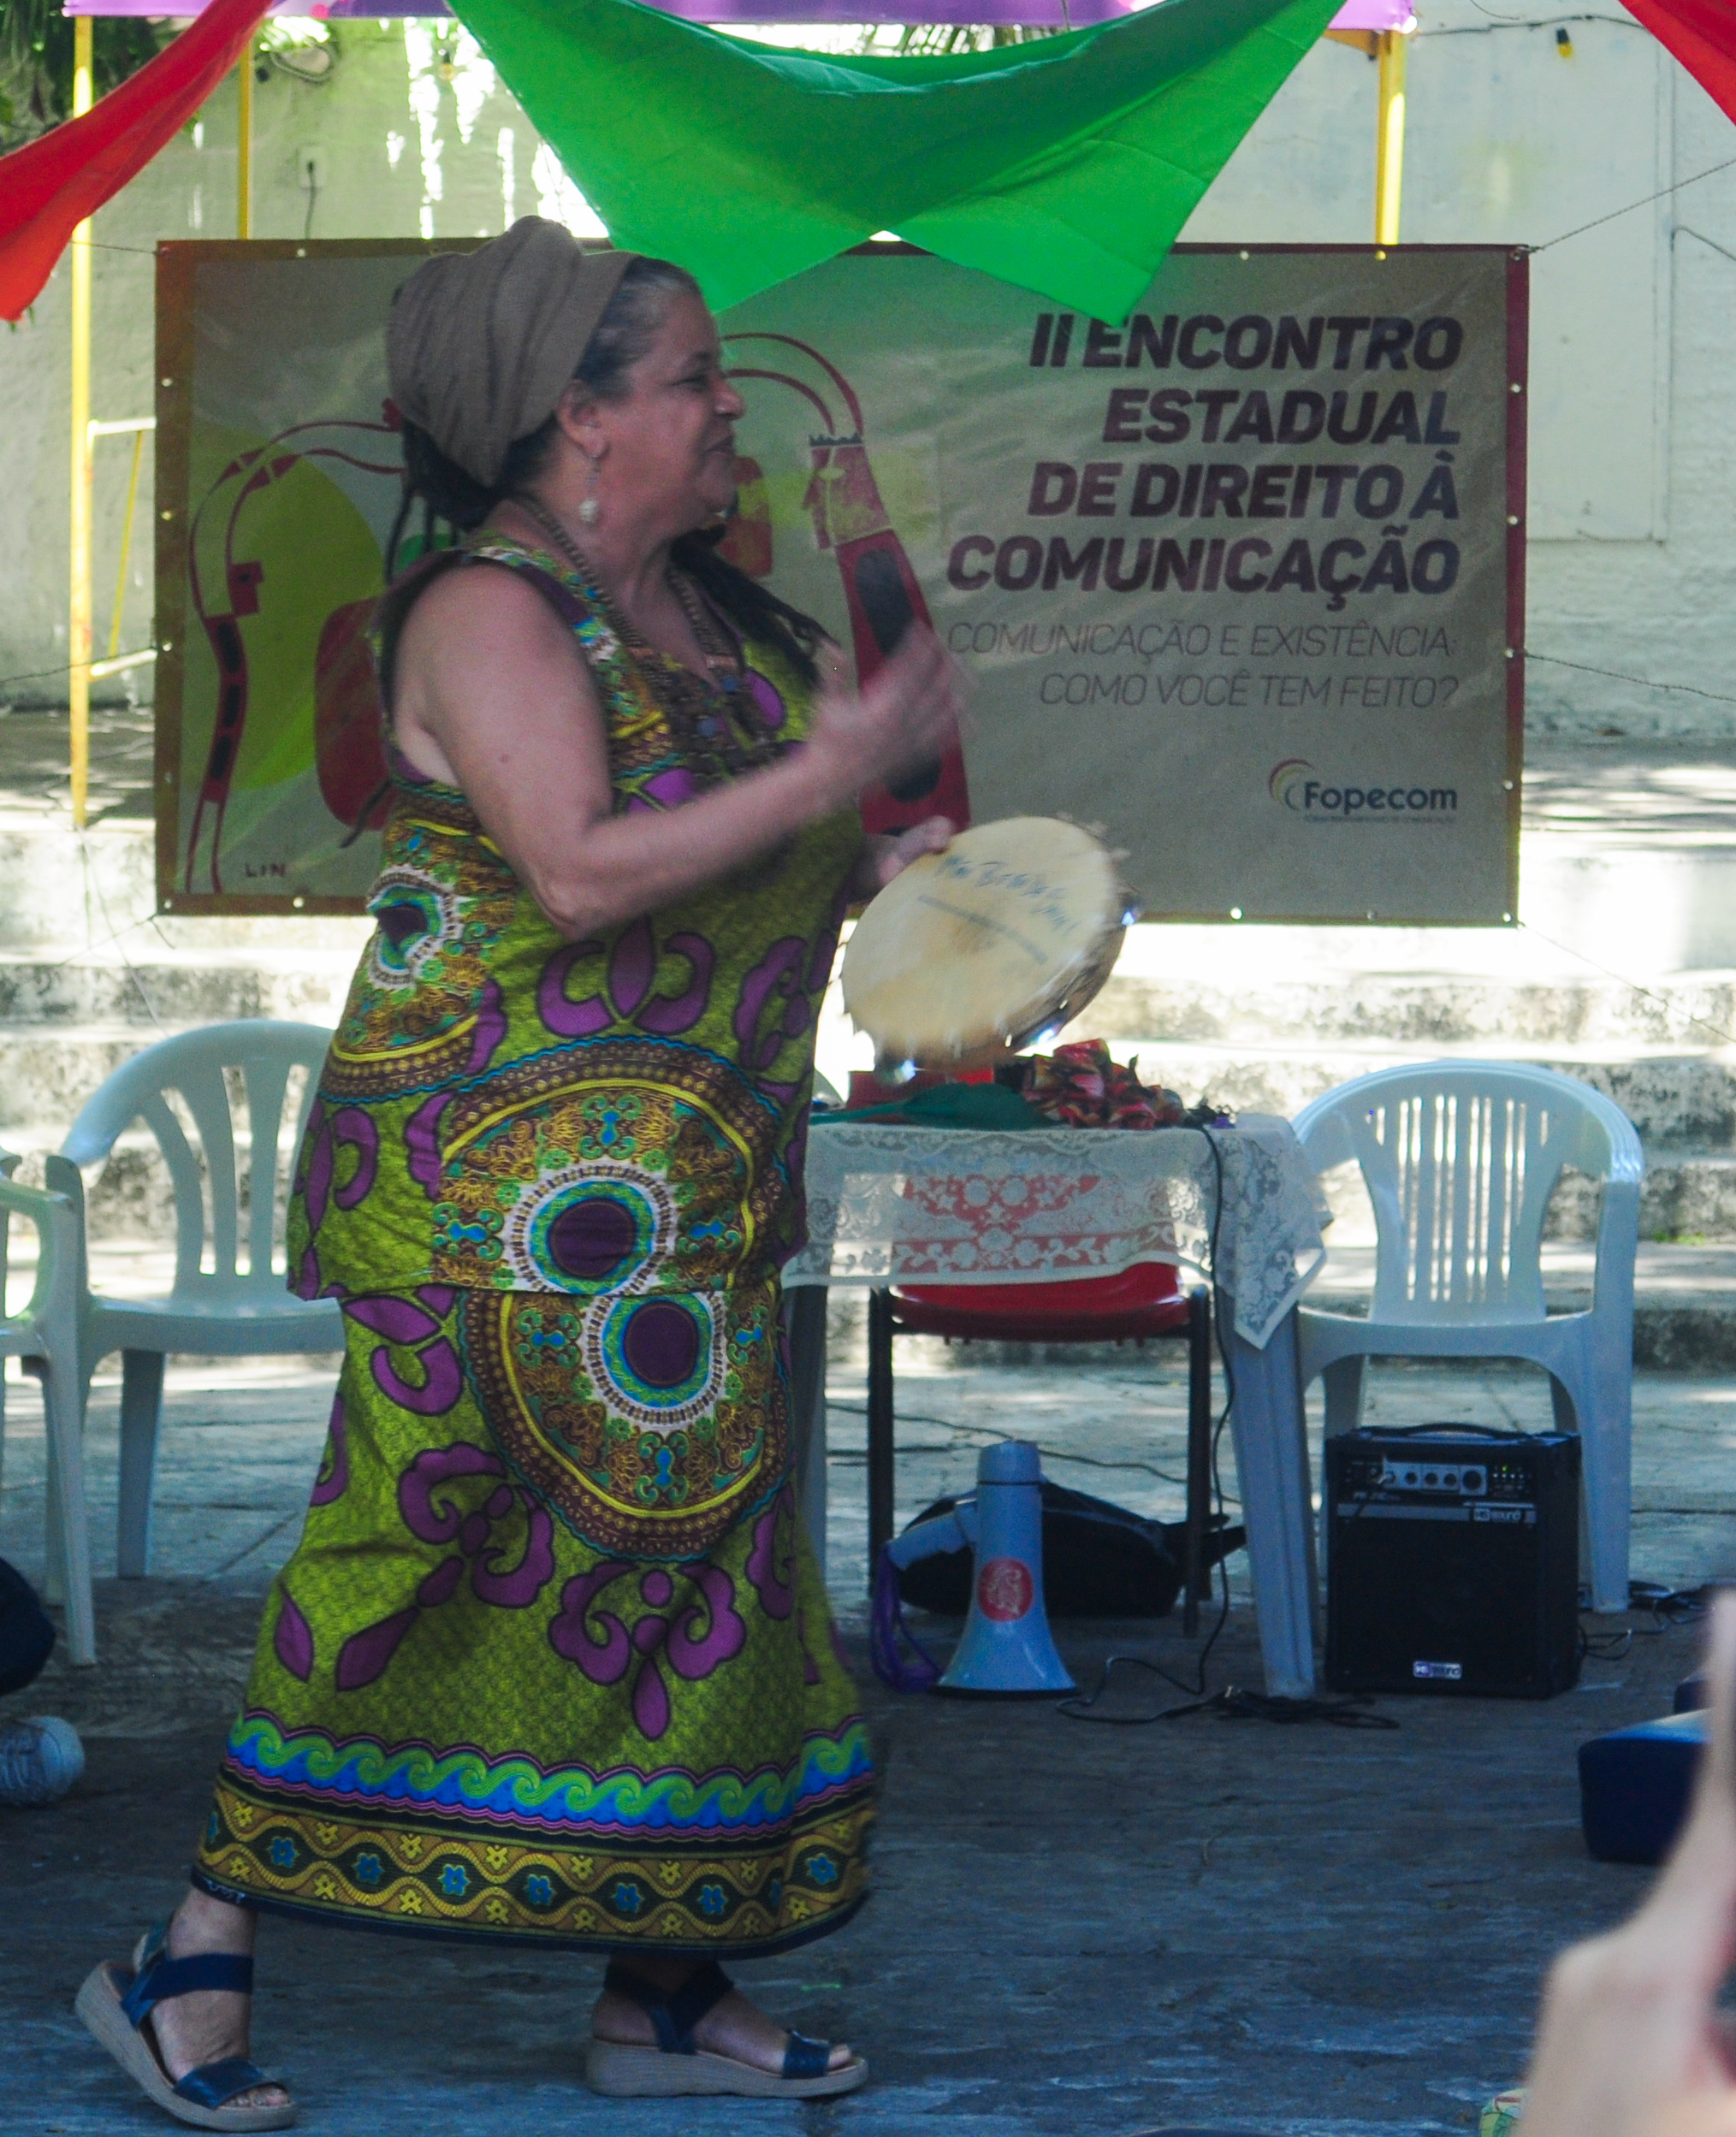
(1007, 1651)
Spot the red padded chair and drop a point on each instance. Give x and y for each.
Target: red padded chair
(1143, 1301)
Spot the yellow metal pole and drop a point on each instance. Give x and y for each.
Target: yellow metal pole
(1390, 137)
(244, 144)
(78, 607)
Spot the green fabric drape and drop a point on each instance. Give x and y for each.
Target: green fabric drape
(1067, 166)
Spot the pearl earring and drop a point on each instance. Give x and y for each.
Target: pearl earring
(588, 509)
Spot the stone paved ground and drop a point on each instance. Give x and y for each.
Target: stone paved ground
(1076, 1930)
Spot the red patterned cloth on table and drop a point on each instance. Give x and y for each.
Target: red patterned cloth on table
(1081, 1087)
(901, 1205)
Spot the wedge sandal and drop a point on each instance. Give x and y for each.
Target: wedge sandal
(115, 2003)
(677, 2066)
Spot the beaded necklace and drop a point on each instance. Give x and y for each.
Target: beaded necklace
(716, 718)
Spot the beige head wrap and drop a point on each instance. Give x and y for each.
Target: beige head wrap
(479, 345)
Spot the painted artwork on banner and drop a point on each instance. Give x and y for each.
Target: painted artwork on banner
(278, 479)
(1237, 580)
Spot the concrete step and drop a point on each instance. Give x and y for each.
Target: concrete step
(1411, 1008)
(1677, 1100)
(129, 1200)
(62, 890)
(1686, 1199)
(1684, 1298)
(48, 1071)
(1683, 1106)
(169, 989)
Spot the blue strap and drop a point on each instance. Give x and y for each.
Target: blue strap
(213, 2084)
(805, 2057)
(161, 1978)
(674, 2015)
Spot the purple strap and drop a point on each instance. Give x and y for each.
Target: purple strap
(886, 1629)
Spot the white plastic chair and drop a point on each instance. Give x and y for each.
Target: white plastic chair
(45, 1333)
(223, 1310)
(1460, 1159)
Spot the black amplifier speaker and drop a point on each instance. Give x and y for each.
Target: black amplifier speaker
(1453, 1561)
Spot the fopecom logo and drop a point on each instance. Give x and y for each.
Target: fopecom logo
(1287, 781)
(1298, 786)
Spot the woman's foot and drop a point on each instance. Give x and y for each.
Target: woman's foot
(207, 2025)
(734, 2027)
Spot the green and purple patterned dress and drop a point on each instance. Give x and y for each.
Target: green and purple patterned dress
(554, 1661)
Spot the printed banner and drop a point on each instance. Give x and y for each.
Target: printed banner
(1237, 581)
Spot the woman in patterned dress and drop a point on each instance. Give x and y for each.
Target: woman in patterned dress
(554, 1663)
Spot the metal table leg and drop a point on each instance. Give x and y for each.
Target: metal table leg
(881, 1452)
(1196, 1580)
(1272, 1463)
(804, 1325)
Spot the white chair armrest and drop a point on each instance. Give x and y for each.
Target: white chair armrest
(1323, 1132)
(1618, 1246)
(57, 1224)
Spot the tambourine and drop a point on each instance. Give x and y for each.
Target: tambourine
(970, 954)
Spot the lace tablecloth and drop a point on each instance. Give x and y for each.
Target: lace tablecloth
(959, 1205)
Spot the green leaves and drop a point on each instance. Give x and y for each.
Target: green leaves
(36, 62)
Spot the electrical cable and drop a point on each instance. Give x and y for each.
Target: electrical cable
(988, 1432)
(1615, 675)
(1580, 229)
(1681, 230)
(1667, 1607)
(1646, 993)
(95, 885)
(1527, 22)
(1671, 1606)
(1078, 1707)
(1499, 23)
(38, 675)
(1234, 1703)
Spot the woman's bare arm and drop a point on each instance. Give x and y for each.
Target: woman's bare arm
(492, 696)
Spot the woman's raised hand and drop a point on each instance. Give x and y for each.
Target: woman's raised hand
(1631, 2041)
(908, 713)
(886, 854)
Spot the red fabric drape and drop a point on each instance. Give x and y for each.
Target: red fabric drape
(48, 186)
(1702, 35)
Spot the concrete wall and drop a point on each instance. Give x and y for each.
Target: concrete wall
(1632, 555)
(1633, 549)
